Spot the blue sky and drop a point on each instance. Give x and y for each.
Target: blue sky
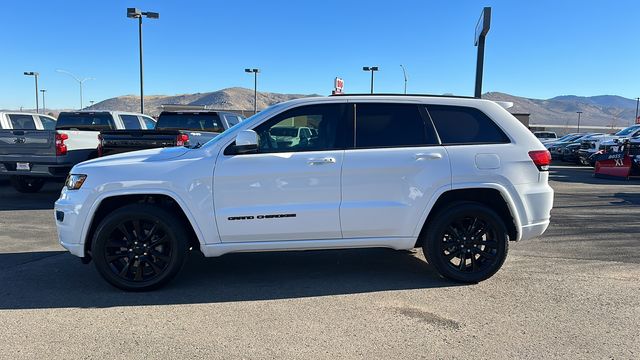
(535, 48)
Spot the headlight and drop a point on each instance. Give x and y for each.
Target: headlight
(75, 181)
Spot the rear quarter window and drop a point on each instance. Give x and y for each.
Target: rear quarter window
(130, 122)
(465, 125)
(22, 122)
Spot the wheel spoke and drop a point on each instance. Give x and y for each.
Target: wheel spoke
(463, 261)
(160, 256)
(486, 254)
(452, 254)
(125, 269)
(138, 275)
(154, 267)
(151, 232)
(123, 229)
(112, 258)
(472, 227)
(159, 241)
(137, 229)
(474, 266)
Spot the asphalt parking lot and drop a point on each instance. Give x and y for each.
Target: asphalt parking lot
(573, 293)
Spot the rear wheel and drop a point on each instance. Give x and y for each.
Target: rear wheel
(466, 242)
(139, 247)
(27, 184)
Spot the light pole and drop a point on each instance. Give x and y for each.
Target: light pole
(482, 28)
(255, 88)
(134, 13)
(35, 75)
(578, 112)
(44, 105)
(80, 82)
(635, 121)
(404, 72)
(91, 102)
(372, 69)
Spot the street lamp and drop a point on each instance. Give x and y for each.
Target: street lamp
(372, 69)
(255, 88)
(135, 13)
(35, 75)
(44, 105)
(80, 82)
(578, 112)
(404, 72)
(635, 121)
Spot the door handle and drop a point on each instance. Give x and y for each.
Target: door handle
(427, 156)
(321, 161)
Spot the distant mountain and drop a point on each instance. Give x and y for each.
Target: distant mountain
(602, 110)
(231, 99)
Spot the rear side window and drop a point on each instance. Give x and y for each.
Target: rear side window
(465, 125)
(190, 121)
(85, 121)
(47, 123)
(130, 122)
(390, 125)
(22, 122)
(148, 123)
(232, 119)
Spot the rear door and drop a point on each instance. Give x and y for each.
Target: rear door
(284, 191)
(392, 171)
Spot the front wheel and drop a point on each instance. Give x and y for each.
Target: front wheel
(27, 184)
(139, 247)
(466, 242)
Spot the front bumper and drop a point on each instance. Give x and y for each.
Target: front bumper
(70, 215)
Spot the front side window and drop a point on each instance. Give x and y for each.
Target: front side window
(292, 131)
(47, 123)
(130, 122)
(390, 125)
(22, 122)
(465, 125)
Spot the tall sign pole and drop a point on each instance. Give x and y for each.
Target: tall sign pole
(482, 29)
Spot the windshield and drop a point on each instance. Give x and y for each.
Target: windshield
(85, 121)
(627, 131)
(190, 121)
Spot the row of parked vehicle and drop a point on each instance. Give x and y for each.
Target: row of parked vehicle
(35, 148)
(584, 148)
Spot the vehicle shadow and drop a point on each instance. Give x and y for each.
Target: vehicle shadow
(625, 198)
(57, 279)
(10, 199)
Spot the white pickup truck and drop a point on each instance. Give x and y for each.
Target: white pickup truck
(31, 154)
(459, 177)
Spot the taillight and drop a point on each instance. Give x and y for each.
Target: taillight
(61, 148)
(542, 159)
(100, 145)
(182, 140)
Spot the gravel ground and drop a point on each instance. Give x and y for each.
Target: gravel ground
(573, 293)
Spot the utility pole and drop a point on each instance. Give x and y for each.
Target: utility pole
(579, 112)
(134, 13)
(404, 72)
(482, 28)
(372, 69)
(35, 75)
(44, 105)
(255, 88)
(635, 121)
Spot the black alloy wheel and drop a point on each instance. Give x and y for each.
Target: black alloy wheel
(466, 242)
(139, 247)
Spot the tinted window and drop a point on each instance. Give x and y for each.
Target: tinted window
(190, 121)
(284, 133)
(386, 125)
(232, 119)
(148, 123)
(22, 122)
(130, 122)
(464, 125)
(47, 123)
(85, 121)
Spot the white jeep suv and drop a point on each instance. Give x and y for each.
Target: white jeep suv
(459, 177)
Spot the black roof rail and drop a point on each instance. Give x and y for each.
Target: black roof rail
(395, 94)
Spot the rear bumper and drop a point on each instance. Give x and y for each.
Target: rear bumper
(537, 202)
(37, 170)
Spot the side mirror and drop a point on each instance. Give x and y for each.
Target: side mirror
(246, 142)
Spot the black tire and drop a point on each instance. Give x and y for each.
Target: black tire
(27, 184)
(463, 229)
(144, 259)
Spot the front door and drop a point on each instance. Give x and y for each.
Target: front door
(290, 188)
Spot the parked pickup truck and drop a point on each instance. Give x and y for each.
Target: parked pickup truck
(174, 128)
(31, 155)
